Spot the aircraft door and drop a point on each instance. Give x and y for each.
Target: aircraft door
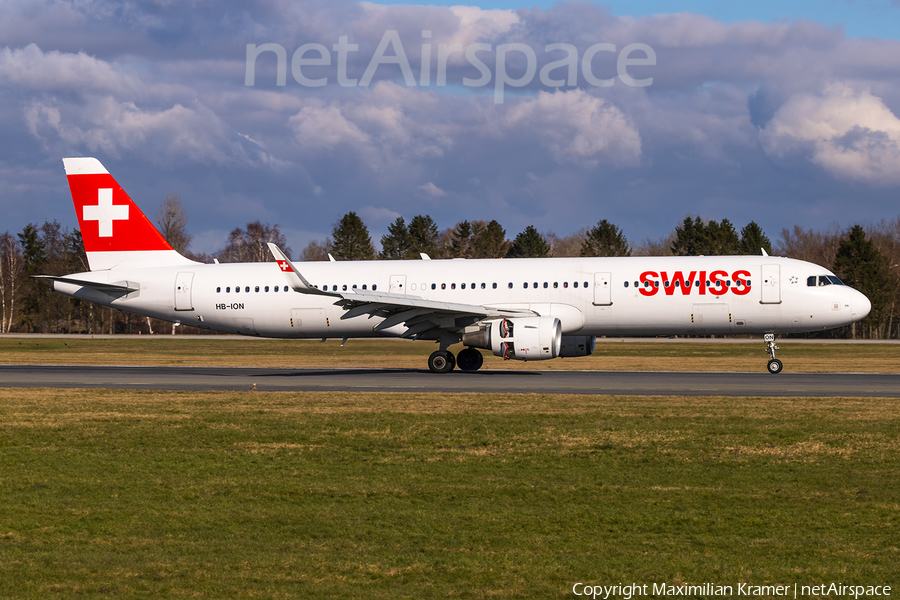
(183, 284)
(602, 289)
(398, 284)
(771, 284)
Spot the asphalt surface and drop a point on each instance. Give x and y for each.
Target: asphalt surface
(412, 380)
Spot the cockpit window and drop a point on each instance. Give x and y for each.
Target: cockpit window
(823, 280)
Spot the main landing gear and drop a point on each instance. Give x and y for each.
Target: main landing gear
(443, 361)
(775, 366)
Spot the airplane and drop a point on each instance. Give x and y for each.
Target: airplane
(525, 309)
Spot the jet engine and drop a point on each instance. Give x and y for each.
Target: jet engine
(526, 338)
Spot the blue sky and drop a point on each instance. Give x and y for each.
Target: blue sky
(859, 18)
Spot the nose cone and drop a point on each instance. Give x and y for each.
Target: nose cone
(861, 306)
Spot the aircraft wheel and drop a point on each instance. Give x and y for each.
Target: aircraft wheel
(775, 366)
(470, 359)
(441, 361)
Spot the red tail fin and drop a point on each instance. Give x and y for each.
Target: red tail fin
(115, 231)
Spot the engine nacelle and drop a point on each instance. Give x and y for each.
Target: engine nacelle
(577, 345)
(526, 338)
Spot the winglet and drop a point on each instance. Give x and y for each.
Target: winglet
(297, 282)
(764, 252)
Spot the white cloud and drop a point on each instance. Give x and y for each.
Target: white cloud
(578, 127)
(378, 214)
(432, 190)
(33, 69)
(851, 134)
(318, 126)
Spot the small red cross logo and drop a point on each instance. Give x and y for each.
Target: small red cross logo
(285, 267)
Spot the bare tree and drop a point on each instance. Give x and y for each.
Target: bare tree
(172, 221)
(817, 247)
(12, 269)
(316, 250)
(250, 245)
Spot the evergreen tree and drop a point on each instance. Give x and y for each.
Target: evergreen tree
(351, 240)
(396, 243)
(688, 237)
(860, 265)
(753, 240)
(605, 240)
(424, 236)
(721, 239)
(461, 240)
(529, 244)
(34, 255)
(695, 238)
(488, 240)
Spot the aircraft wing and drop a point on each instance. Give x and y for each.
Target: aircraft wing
(419, 315)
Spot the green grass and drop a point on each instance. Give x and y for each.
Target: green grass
(609, 355)
(329, 495)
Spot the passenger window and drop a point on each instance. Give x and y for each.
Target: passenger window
(257, 289)
(285, 288)
(354, 286)
(218, 290)
(525, 285)
(228, 290)
(484, 286)
(345, 287)
(237, 289)
(452, 286)
(555, 285)
(433, 286)
(665, 284)
(473, 286)
(364, 286)
(677, 284)
(375, 286)
(535, 285)
(247, 289)
(545, 285)
(626, 284)
(585, 284)
(575, 284)
(565, 284)
(276, 288)
(463, 286)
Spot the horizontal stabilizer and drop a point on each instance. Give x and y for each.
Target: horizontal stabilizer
(102, 287)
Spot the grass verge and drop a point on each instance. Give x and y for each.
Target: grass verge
(168, 350)
(385, 495)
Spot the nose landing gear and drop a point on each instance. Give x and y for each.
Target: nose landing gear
(775, 366)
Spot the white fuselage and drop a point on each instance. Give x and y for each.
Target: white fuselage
(590, 296)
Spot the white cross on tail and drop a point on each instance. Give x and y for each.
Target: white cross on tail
(105, 212)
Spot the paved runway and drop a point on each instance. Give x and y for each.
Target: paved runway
(411, 380)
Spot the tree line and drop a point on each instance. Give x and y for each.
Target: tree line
(865, 257)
